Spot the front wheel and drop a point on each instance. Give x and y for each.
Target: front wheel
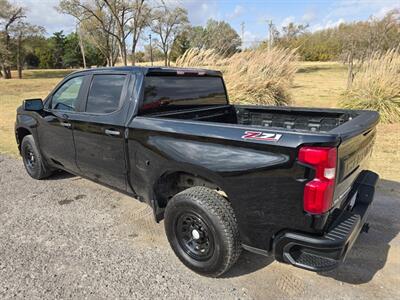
(33, 161)
(202, 230)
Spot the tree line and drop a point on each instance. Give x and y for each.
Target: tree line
(351, 43)
(358, 39)
(109, 31)
(108, 25)
(104, 29)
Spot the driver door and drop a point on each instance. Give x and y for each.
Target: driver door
(55, 136)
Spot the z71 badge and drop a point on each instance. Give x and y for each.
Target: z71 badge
(261, 136)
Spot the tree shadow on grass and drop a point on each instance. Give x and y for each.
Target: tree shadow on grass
(38, 74)
(310, 69)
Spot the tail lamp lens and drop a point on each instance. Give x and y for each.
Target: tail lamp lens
(318, 193)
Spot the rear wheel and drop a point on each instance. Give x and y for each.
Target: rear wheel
(33, 162)
(202, 230)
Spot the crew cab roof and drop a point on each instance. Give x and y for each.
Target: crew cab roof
(154, 70)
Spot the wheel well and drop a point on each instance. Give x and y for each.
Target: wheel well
(171, 184)
(21, 133)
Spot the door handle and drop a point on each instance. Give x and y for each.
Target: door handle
(112, 132)
(65, 124)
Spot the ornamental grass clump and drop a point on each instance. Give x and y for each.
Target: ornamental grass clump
(377, 86)
(194, 57)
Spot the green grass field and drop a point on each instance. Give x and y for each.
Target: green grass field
(315, 85)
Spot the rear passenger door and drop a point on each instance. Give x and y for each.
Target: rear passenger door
(99, 135)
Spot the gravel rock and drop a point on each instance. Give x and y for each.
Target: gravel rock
(66, 237)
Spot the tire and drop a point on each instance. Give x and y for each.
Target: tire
(202, 230)
(33, 161)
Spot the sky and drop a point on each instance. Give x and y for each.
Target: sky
(253, 14)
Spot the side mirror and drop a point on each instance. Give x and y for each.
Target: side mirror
(33, 104)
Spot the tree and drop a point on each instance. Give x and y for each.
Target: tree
(167, 24)
(9, 15)
(108, 23)
(81, 45)
(197, 36)
(218, 35)
(72, 51)
(22, 31)
(141, 19)
(140, 56)
(104, 42)
(221, 36)
(121, 10)
(99, 24)
(57, 44)
(32, 60)
(349, 42)
(72, 57)
(155, 52)
(361, 39)
(180, 45)
(293, 30)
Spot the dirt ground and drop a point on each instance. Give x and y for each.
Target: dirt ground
(66, 237)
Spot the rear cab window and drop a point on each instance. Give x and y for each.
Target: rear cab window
(168, 93)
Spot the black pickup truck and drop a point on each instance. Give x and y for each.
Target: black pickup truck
(281, 181)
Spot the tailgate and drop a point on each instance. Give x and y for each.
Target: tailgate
(354, 152)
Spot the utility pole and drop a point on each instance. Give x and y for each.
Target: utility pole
(151, 51)
(242, 27)
(271, 35)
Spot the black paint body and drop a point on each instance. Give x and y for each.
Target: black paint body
(262, 179)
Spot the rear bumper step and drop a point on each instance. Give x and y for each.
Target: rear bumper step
(323, 253)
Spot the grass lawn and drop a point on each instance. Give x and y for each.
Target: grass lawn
(315, 85)
(36, 84)
(320, 85)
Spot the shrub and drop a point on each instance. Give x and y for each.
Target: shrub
(255, 76)
(377, 86)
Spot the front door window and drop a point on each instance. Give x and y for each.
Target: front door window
(66, 97)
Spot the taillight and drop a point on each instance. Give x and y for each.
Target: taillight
(318, 193)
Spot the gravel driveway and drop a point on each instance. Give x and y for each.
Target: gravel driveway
(66, 237)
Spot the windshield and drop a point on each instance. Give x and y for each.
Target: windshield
(166, 93)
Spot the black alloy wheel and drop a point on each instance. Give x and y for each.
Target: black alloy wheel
(194, 236)
(29, 157)
(33, 161)
(202, 230)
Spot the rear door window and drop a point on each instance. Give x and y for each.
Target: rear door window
(105, 93)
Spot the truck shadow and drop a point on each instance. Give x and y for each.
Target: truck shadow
(248, 263)
(370, 253)
(58, 175)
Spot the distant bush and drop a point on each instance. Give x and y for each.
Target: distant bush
(256, 76)
(377, 86)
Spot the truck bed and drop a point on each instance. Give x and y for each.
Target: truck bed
(298, 119)
(353, 131)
